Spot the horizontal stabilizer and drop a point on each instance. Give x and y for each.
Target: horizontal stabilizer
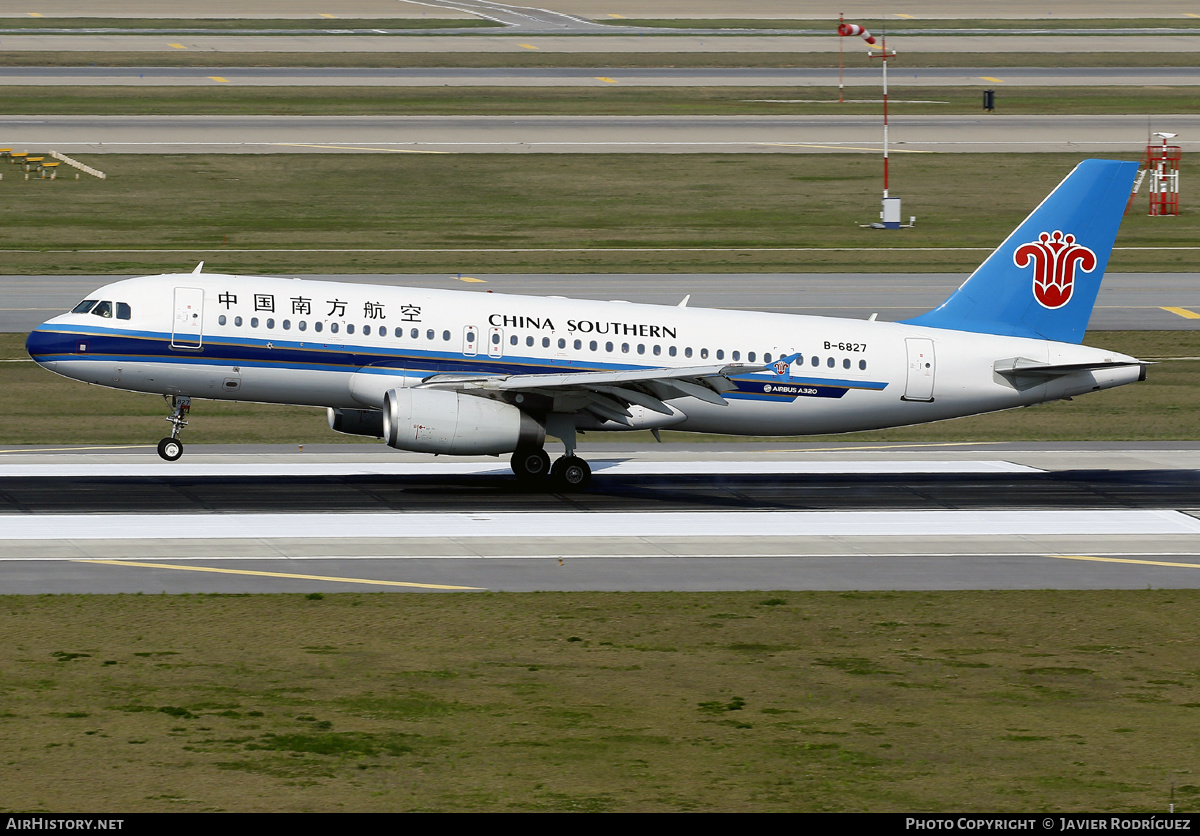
(1024, 373)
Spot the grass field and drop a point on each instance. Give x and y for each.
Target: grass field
(761, 701)
(223, 99)
(532, 213)
(39, 407)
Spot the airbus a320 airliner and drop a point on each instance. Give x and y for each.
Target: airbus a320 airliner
(469, 373)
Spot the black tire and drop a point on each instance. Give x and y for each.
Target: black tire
(530, 465)
(571, 473)
(170, 449)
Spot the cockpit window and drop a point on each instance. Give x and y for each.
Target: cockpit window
(104, 309)
(123, 310)
(84, 306)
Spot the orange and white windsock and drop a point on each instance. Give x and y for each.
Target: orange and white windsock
(854, 29)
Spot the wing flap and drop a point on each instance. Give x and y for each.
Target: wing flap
(610, 392)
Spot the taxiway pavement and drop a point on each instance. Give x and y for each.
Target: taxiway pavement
(1080, 134)
(899, 78)
(1127, 301)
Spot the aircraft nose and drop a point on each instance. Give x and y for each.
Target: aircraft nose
(41, 346)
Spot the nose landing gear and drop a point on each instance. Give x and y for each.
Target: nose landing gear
(171, 448)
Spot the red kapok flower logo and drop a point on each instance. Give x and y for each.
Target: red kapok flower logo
(1054, 258)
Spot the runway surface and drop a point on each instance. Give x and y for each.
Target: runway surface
(1127, 301)
(899, 77)
(750, 516)
(589, 134)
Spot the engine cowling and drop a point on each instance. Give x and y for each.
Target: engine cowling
(357, 422)
(441, 421)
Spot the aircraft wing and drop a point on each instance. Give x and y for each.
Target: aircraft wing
(608, 394)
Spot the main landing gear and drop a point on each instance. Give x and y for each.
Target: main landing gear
(171, 448)
(570, 473)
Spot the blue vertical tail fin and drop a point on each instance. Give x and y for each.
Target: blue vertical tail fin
(1043, 280)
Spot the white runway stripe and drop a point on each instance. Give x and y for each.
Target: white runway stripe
(597, 525)
(155, 468)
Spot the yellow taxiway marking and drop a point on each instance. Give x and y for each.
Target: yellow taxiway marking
(994, 80)
(1184, 312)
(272, 574)
(606, 78)
(357, 148)
(218, 78)
(618, 17)
(177, 46)
(471, 279)
(842, 147)
(527, 46)
(1126, 560)
(33, 14)
(325, 15)
(906, 17)
(1189, 14)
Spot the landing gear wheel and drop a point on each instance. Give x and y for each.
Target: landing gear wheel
(530, 465)
(571, 473)
(170, 449)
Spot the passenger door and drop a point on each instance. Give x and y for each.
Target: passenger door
(187, 329)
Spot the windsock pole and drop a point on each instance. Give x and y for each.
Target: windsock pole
(841, 56)
(884, 54)
(890, 216)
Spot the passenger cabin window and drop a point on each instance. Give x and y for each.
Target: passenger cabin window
(84, 306)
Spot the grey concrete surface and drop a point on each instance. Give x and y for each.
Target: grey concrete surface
(899, 77)
(1114, 479)
(1127, 301)
(592, 134)
(601, 9)
(518, 41)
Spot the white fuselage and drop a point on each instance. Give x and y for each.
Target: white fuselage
(344, 345)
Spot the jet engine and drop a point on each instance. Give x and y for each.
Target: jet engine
(357, 422)
(441, 421)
